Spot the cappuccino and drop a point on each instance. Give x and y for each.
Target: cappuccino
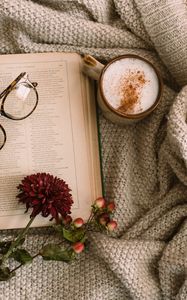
(130, 85)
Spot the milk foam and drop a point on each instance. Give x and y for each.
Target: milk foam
(115, 80)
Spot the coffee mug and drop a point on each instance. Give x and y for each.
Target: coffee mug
(129, 87)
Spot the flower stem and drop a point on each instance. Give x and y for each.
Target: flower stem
(91, 217)
(15, 269)
(16, 242)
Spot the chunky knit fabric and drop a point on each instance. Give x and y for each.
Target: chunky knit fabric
(144, 165)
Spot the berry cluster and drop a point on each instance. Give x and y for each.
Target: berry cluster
(77, 226)
(74, 231)
(103, 213)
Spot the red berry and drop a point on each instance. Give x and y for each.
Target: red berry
(78, 222)
(111, 206)
(78, 247)
(100, 202)
(111, 225)
(104, 219)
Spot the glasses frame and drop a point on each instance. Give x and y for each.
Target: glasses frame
(7, 91)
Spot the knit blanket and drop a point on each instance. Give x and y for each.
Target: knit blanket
(144, 165)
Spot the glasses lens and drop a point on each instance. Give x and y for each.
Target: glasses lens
(2, 137)
(21, 101)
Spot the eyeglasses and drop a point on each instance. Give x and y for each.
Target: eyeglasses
(19, 100)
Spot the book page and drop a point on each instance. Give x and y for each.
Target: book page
(59, 138)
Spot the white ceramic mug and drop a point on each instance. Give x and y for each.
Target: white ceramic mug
(133, 87)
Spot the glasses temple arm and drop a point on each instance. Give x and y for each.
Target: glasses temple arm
(10, 87)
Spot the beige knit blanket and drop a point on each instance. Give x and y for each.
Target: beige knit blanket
(144, 165)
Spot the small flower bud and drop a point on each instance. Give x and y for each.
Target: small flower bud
(66, 220)
(104, 219)
(78, 222)
(78, 247)
(111, 206)
(100, 202)
(111, 225)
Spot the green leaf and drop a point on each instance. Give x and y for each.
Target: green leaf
(22, 256)
(5, 274)
(4, 246)
(59, 229)
(74, 235)
(56, 252)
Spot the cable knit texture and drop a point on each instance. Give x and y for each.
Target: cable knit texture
(144, 165)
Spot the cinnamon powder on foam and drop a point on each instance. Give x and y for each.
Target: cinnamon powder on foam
(131, 87)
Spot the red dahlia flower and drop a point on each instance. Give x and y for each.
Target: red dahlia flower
(45, 194)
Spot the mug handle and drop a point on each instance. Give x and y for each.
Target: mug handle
(92, 67)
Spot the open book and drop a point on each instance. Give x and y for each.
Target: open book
(59, 138)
